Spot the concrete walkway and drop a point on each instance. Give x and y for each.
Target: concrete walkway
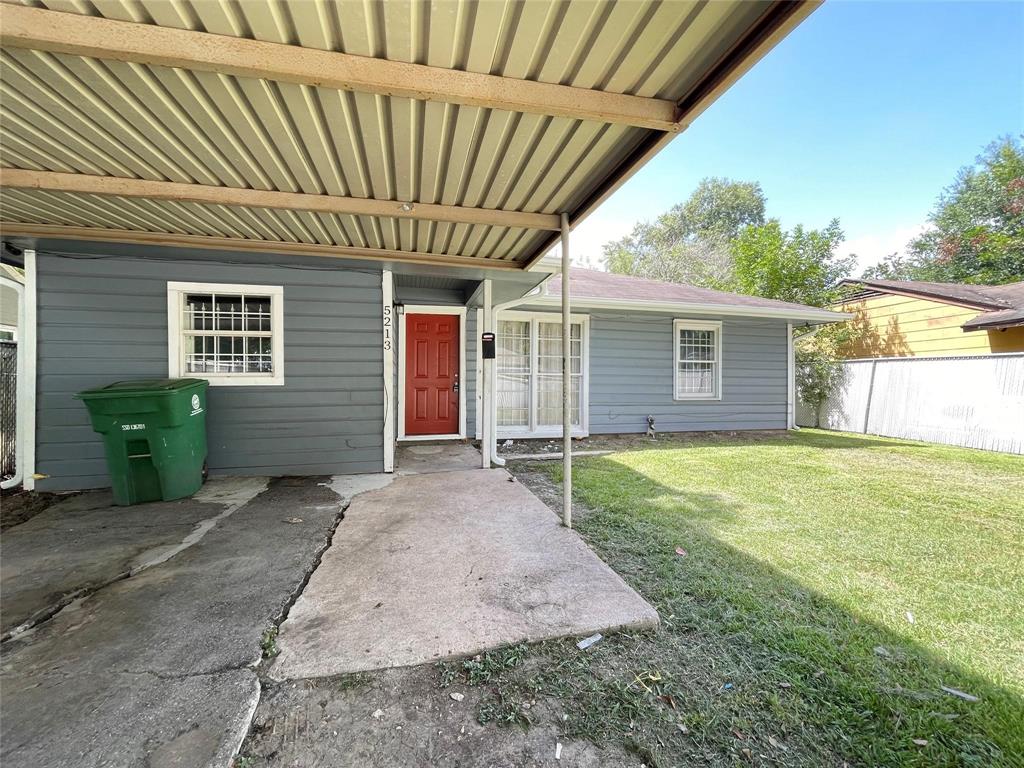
(448, 564)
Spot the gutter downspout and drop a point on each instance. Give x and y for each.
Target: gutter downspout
(790, 379)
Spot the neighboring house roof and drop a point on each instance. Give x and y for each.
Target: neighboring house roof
(591, 288)
(1005, 303)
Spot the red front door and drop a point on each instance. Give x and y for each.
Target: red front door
(431, 374)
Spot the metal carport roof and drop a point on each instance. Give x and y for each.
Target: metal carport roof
(448, 133)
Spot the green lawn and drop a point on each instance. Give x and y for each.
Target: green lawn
(832, 584)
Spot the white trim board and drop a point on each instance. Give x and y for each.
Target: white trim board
(430, 309)
(627, 305)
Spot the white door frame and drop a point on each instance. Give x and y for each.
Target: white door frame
(431, 309)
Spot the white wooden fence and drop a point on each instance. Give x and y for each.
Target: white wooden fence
(976, 402)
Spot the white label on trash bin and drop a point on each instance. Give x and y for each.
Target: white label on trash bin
(130, 427)
(195, 406)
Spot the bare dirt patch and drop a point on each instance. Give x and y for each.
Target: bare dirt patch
(18, 506)
(617, 443)
(416, 716)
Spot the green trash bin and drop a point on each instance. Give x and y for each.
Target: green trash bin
(154, 432)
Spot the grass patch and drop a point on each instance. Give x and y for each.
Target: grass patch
(268, 643)
(832, 584)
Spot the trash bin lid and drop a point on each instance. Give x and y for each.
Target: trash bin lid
(141, 387)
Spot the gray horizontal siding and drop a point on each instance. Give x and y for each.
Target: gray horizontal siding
(631, 376)
(469, 375)
(105, 319)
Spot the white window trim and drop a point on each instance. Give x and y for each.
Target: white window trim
(431, 309)
(176, 354)
(679, 324)
(554, 430)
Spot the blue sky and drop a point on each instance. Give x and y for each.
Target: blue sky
(865, 112)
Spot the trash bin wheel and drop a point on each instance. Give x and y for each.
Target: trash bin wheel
(206, 471)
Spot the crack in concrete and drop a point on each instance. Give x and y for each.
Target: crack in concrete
(346, 488)
(244, 492)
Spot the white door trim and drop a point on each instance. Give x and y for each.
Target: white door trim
(431, 309)
(388, 330)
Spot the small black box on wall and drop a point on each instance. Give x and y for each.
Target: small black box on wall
(487, 346)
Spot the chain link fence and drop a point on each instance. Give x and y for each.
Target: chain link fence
(8, 407)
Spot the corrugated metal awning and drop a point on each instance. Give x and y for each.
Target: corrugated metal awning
(214, 123)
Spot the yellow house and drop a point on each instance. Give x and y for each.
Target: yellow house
(902, 318)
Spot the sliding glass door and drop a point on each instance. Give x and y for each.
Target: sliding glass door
(529, 373)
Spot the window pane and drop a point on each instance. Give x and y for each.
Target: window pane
(198, 312)
(696, 379)
(696, 345)
(549, 400)
(257, 313)
(258, 357)
(200, 355)
(228, 310)
(513, 374)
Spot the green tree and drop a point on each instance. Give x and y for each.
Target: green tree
(690, 242)
(800, 266)
(977, 227)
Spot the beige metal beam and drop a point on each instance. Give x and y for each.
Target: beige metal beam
(60, 232)
(258, 198)
(95, 37)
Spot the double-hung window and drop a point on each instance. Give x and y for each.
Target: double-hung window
(698, 360)
(529, 373)
(231, 335)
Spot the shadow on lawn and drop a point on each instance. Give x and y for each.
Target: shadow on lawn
(749, 659)
(809, 439)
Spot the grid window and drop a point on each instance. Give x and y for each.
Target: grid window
(698, 360)
(529, 374)
(229, 336)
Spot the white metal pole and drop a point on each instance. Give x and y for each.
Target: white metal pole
(487, 436)
(566, 381)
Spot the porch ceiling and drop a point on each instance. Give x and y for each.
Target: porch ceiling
(215, 123)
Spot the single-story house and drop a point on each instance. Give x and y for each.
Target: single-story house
(912, 318)
(292, 349)
(323, 208)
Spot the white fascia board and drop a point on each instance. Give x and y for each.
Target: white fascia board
(808, 315)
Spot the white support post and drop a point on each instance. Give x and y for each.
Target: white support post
(387, 286)
(486, 386)
(27, 390)
(790, 379)
(566, 381)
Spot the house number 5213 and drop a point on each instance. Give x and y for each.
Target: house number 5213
(387, 327)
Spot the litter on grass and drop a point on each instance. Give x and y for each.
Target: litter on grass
(457, 696)
(586, 642)
(558, 750)
(680, 551)
(959, 694)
